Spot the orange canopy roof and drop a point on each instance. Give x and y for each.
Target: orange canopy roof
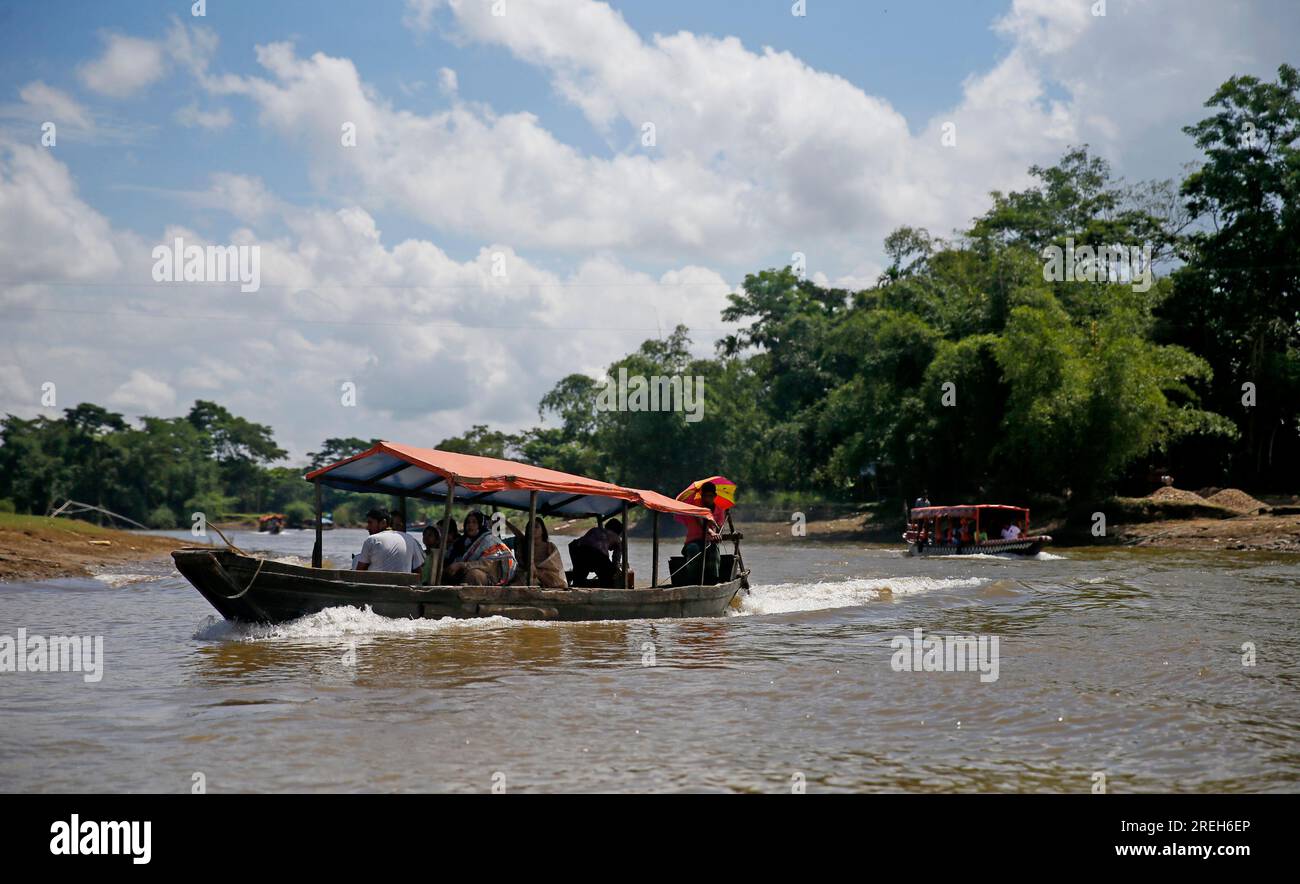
(967, 510)
(426, 473)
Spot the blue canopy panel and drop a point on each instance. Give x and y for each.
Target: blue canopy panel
(385, 474)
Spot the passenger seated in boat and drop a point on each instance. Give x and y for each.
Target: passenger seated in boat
(432, 538)
(417, 551)
(598, 552)
(548, 573)
(965, 530)
(487, 561)
(457, 542)
(1011, 532)
(385, 549)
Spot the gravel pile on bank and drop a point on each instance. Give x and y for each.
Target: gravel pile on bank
(1169, 494)
(1237, 501)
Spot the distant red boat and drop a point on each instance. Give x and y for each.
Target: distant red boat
(271, 523)
(967, 530)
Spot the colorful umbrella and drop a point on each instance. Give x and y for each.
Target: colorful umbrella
(725, 487)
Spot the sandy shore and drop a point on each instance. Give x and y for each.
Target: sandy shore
(1259, 532)
(37, 548)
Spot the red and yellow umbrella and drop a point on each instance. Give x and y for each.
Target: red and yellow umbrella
(725, 487)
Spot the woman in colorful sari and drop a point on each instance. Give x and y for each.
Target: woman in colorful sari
(548, 573)
(487, 561)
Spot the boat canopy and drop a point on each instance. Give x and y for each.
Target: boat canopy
(407, 471)
(968, 512)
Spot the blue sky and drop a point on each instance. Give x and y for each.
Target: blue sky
(516, 138)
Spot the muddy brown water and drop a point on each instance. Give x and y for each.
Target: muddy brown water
(1120, 662)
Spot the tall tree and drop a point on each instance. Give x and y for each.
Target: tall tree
(1238, 296)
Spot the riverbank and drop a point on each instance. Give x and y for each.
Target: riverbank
(1279, 533)
(40, 548)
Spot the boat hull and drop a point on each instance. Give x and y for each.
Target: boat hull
(255, 590)
(1025, 546)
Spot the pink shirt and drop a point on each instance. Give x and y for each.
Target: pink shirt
(695, 530)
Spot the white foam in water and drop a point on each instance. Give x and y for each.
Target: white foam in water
(290, 559)
(1004, 557)
(342, 622)
(782, 598)
(116, 580)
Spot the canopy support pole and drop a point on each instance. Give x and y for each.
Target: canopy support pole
(740, 560)
(446, 527)
(704, 548)
(401, 508)
(528, 535)
(654, 567)
(316, 549)
(623, 546)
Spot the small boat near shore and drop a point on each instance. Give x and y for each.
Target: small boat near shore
(971, 530)
(251, 589)
(271, 523)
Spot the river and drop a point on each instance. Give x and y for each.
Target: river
(1117, 666)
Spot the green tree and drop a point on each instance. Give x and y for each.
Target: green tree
(337, 449)
(1238, 296)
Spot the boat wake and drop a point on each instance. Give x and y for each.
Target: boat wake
(1001, 557)
(341, 622)
(783, 598)
(116, 580)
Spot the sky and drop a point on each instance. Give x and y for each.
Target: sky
(456, 203)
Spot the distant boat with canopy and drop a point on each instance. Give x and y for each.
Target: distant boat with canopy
(971, 529)
(251, 589)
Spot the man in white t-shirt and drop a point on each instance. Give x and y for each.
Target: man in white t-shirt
(385, 549)
(417, 550)
(1011, 532)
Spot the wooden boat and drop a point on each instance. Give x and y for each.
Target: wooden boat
(255, 590)
(933, 531)
(272, 523)
(246, 588)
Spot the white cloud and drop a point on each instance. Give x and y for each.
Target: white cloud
(419, 15)
(1138, 74)
(447, 81)
(192, 47)
(127, 65)
(55, 105)
(191, 115)
(143, 393)
(41, 103)
(242, 196)
(16, 388)
(47, 233)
